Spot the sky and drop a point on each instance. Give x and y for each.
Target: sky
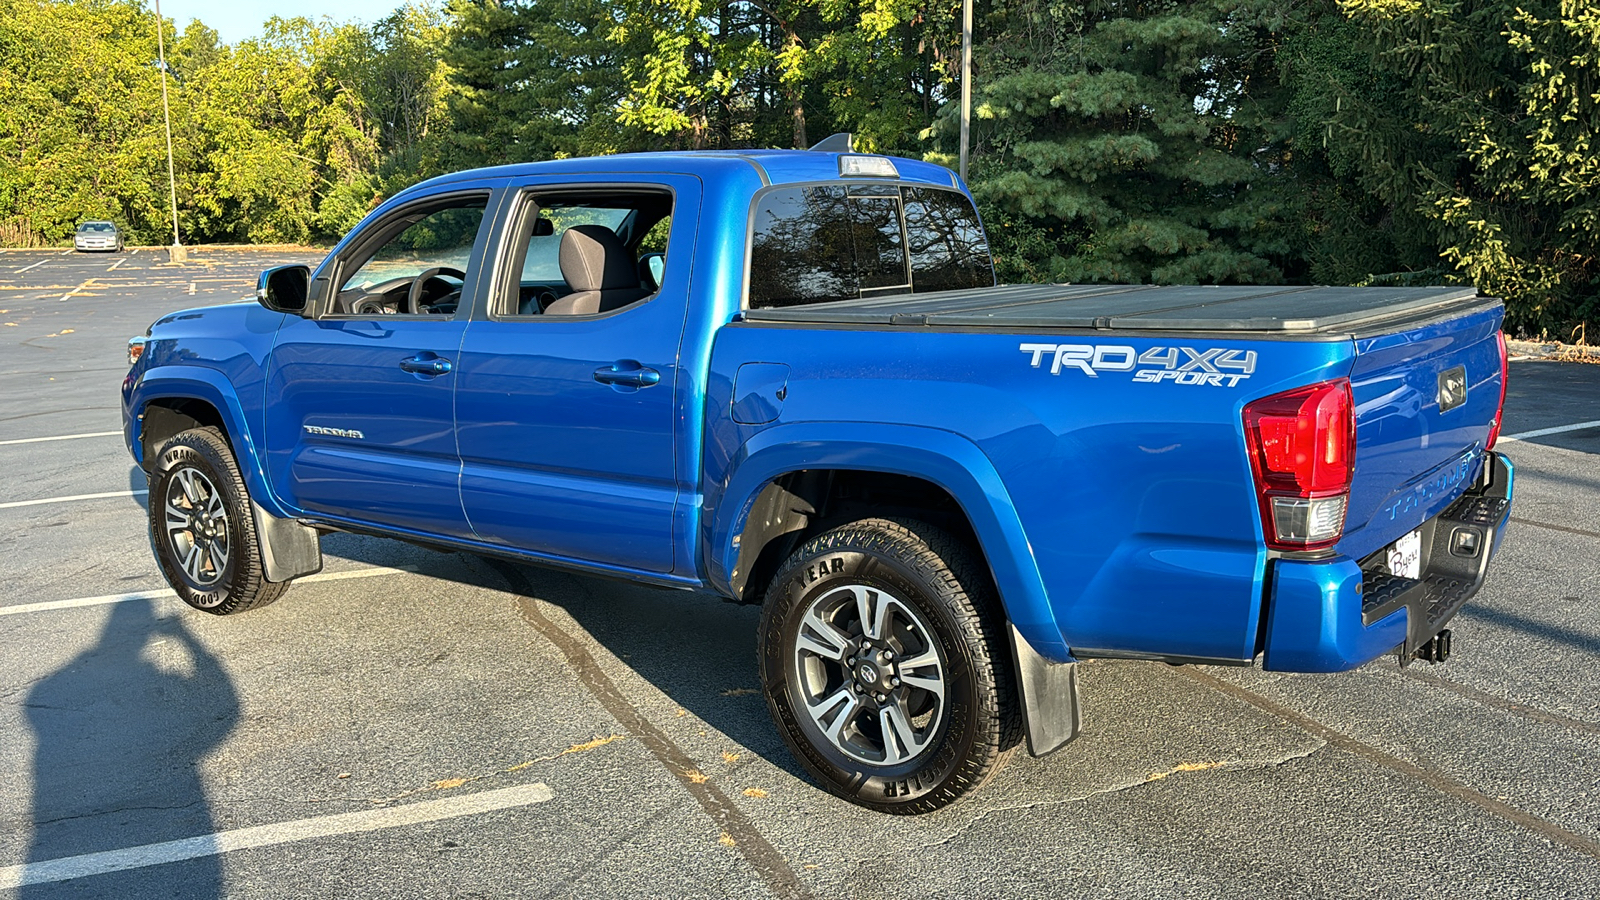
(236, 20)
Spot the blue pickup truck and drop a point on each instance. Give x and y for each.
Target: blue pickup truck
(788, 378)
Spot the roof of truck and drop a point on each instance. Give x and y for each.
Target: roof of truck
(774, 166)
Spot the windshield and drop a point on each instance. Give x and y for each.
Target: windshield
(97, 226)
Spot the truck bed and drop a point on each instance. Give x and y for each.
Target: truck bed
(1260, 309)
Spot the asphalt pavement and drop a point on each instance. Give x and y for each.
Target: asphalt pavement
(423, 724)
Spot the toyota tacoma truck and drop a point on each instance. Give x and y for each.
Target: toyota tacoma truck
(788, 378)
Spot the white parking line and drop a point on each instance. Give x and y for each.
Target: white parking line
(1524, 435)
(61, 437)
(34, 266)
(13, 504)
(164, 593)
(272, 835)
(117, 263)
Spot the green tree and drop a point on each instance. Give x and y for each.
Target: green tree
(1131, 142)
(1346, 233)
(76, 141)
(1490, 138)
(530, 81)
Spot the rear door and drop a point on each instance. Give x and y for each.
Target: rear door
(567, 422)
(360, 395)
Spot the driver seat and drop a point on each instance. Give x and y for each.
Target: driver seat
(601, 272)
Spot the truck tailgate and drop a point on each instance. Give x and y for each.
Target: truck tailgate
(1419, 440)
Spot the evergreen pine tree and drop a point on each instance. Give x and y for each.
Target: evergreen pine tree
(1130, 142)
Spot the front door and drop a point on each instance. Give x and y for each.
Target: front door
(360, 408)
(566, 403)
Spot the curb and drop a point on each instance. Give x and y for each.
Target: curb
(1554, 350)
(192, 248)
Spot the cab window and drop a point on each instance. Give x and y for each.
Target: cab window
(416, 264)
(828, 242)
(586, 253)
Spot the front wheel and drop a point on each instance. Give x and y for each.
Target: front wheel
(202, 528)
(882, 653)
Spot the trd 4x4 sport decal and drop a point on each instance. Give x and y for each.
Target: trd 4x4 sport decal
(1215, 367)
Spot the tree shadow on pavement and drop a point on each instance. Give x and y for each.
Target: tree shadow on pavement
(119, 733)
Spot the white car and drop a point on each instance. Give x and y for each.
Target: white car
(97, 236)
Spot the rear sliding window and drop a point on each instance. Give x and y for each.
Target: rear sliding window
(823, 243)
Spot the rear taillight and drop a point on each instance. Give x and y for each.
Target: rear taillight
(1500, 410)
(1302, 451)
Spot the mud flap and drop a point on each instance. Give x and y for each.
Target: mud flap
(1049, 695)
(288, 548)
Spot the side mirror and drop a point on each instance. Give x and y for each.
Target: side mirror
(652, 266)
(284, 289)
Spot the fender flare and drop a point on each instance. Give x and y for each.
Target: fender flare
(944, 458)
(209, 386)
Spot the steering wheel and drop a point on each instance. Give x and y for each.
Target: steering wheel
(413, 304)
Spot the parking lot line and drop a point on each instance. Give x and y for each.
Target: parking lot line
(60, 437)
(1522, 436)
(13, 504)
(116, 264)
(34, 266)
(53, 870)
(44, 606)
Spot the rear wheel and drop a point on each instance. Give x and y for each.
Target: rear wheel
(202, 528)
(883, 661)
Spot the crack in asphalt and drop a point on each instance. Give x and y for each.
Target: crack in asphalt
(1561, 528)
(1232, 765)
(56, 412)
(765, 859)
(1384, 759)
(39, 823)
(1500, 703)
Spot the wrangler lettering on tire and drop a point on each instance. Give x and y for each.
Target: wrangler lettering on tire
(882, 653)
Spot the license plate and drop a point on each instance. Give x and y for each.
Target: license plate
(1405, 556)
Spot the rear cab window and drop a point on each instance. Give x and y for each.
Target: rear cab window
(827, 242)
(623, 265)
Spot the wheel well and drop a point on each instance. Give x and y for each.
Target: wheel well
(167, 417)
(794, 507)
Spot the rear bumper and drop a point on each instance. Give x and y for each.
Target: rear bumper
(1330, 616)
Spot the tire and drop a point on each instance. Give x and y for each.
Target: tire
(935, 674)
(202, 529)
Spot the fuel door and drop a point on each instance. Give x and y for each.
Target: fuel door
(758, 392)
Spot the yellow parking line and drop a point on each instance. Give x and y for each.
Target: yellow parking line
(74, 291)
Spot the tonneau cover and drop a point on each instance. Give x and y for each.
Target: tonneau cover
(1280, 309)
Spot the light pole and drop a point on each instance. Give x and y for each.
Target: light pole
(966, 81)
(176, 253)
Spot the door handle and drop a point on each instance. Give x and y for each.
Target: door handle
(426, 364)
(627, 373)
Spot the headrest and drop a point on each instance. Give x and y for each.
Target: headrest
(593, 259)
